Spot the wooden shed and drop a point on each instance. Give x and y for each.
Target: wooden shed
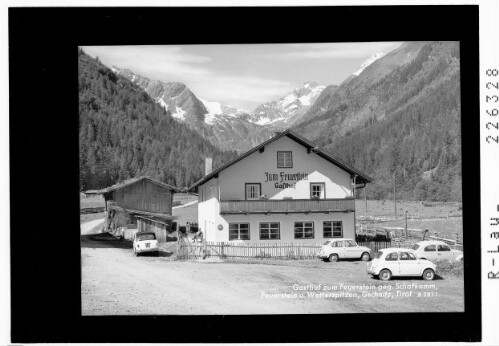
(141, 203)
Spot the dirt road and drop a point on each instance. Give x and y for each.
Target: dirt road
(91, 227)
(114, 282)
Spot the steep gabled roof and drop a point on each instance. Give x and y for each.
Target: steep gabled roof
(134, 181)
(361, 176)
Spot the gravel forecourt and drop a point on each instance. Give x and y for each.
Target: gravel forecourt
(115, 282)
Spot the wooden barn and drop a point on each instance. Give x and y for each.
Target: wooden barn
(140, 204)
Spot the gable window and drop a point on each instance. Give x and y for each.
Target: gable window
(332, 229)
(284, 159)
(239, 231)
(304, 230)
(253, 191)
(317, 190)
(269, 230)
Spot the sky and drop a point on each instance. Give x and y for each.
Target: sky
(243, 75)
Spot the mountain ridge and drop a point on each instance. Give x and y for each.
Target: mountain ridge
(389, 122)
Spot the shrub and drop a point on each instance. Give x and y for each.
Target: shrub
(454, 268)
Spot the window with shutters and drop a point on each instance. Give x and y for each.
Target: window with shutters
(284, 159)
(253, 191)
(317, 190)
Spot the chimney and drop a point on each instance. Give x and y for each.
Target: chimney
(208, 165)
(276, 133)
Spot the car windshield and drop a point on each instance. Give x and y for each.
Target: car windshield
(415, 247)
(148, 236)
(378, 254)
(327, 242)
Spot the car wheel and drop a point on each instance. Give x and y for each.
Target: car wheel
(333, 258)
(385, 275)
(365, 256)
(428, 274)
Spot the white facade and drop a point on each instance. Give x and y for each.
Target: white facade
(225, 200)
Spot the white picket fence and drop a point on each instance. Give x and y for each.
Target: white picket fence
(187, 250)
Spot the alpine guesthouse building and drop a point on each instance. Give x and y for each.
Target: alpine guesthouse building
(285, 189)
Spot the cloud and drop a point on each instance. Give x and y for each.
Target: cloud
(250, 90)
(152, 61)
(210, 71)
(172, 63)
(332, 50)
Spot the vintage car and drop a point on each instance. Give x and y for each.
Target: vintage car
(434, 250)
(145, 242)
(399, 262)
(342, 248)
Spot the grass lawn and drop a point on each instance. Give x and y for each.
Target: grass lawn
(186, 214)
(184, 198)
(445, 228)
(415, 209)
(91, 201)
(418, 215)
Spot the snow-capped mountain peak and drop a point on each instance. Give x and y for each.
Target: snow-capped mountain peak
(217, 109)
(285, 110)
(368, 62)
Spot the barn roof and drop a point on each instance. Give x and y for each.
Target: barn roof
(134, 181)
(361, 176)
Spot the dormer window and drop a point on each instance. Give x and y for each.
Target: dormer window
(284, 159)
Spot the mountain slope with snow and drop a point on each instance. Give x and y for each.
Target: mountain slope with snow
(217, 110)
(368, 62)
(173, 96)
(283, 112)
(225, 126)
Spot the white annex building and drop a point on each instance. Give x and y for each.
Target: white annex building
(285, 189)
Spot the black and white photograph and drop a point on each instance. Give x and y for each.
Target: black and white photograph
(271, 178)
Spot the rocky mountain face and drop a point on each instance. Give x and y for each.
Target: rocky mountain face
(397, 119)
(357, 98)
(226, 126)
(173, 96)
(282, 113)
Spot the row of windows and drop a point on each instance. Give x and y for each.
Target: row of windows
(253, 190)
(272, 230)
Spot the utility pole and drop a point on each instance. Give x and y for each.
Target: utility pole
(365, 195)
(406, 234)
(394, 196)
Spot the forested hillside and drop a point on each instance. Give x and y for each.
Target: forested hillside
(124, 133)
(401, 125)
